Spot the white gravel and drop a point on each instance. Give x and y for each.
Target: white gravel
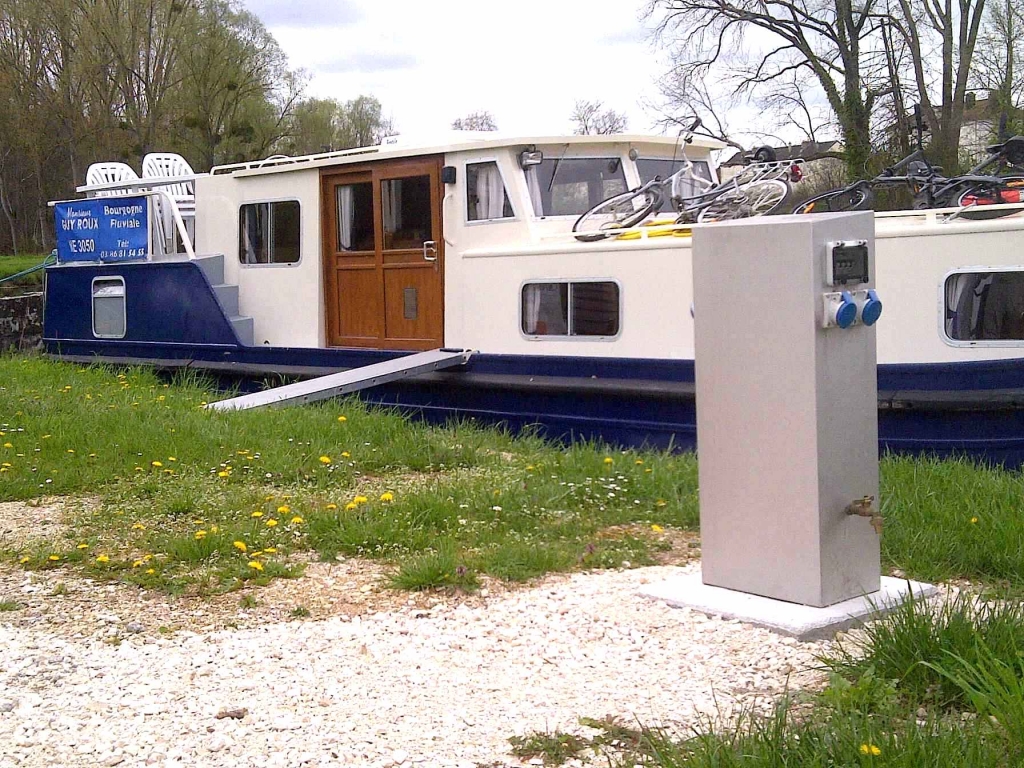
(446, 686)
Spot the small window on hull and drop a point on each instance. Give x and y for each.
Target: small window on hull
(577, 309)
(985, 306)
(268, 233)
(109, 319)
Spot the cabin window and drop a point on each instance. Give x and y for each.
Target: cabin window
(665, 167)
(486, 196)
(354, 214)
(984, 306)
(108, 308)
(578, 309)
(406, 213)
(268, 233)
(570, 186)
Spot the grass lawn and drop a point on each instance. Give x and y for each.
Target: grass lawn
(175, 497)
(12, 265)
(188, 496)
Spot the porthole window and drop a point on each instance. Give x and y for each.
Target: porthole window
(268, 233)
(984, 308)
(588, 308)
(109, 318)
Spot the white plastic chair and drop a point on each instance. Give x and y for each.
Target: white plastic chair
(109, 173)
(167, 165)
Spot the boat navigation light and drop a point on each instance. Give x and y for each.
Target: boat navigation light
(530, 157)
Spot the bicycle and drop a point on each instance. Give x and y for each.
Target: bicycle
(933, 190)
(760, 188)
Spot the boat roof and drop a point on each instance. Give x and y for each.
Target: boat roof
(396, 147)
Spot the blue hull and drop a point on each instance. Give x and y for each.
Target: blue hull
(974, 409)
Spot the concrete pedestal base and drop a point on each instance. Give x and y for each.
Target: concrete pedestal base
(800, 621)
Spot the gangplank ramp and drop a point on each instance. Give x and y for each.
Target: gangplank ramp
(352, 380)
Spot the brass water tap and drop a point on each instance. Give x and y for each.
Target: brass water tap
(865, 507)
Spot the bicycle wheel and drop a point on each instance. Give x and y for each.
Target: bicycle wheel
(757, 199)
(857, 198)
(1010, 190)
(619, 212)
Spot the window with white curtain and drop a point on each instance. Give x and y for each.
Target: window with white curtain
(579, 308)
(486, 196)
(985, 306)
(354, 216)
(268, 233)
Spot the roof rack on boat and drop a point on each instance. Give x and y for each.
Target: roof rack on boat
(276, 160)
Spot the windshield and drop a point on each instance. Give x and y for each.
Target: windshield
(665, 167)
(570, 186)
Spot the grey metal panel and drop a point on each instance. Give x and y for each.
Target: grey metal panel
(348, 381)
(786, 413)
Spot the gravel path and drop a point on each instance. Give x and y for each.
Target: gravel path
(445, 686)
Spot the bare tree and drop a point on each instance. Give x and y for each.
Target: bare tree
(952, 28)
(475, 121)
(999, 64)
(822, 38)
(591, 117)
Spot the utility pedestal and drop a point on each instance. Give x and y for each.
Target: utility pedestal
(787, 422)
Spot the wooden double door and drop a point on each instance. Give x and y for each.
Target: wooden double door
(383, 255)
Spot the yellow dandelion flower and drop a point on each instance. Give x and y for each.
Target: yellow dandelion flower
(271, 550)
(224, 473)
(138, 527)
(157, 464)
(102, 559)
(257, 553)
(608, 460)
(257, 513)
(350, 506)
(870, 749)
(647, 470)
(6, 464)
(387, 496)
(239, 545)
(147, 558)
(271, 523)
(657, 529)
(8, 445)
(71, 450)
(25, 559)
(83, 545)
(137, 563)
(256, 565)
(161, 398)
(660, 503)
(46, 437)
(360, 499)
(325, 459)
(54, 558)
(974, 519)
(200, 535)
(138, 469)
(342, 418)
(284, 509)
(346, 455)
(331, 506)
(172, 458)
(296, 520)
(638, 462)
(150, 571)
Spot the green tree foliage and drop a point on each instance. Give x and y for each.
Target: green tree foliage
(83, 81)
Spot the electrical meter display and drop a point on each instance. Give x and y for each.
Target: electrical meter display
(847, 263)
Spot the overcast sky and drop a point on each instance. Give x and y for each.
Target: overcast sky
(524, 61)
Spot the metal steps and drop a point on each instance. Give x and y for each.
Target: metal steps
(227, 295)
(352, 380)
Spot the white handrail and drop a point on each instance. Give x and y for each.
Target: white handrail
(130, 185)
(179, 222)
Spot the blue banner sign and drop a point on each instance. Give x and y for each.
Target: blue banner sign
(102, 229)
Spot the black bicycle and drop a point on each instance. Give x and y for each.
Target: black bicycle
(760, 188)
(931, 189)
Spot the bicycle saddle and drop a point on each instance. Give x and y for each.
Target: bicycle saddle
(919, 168)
